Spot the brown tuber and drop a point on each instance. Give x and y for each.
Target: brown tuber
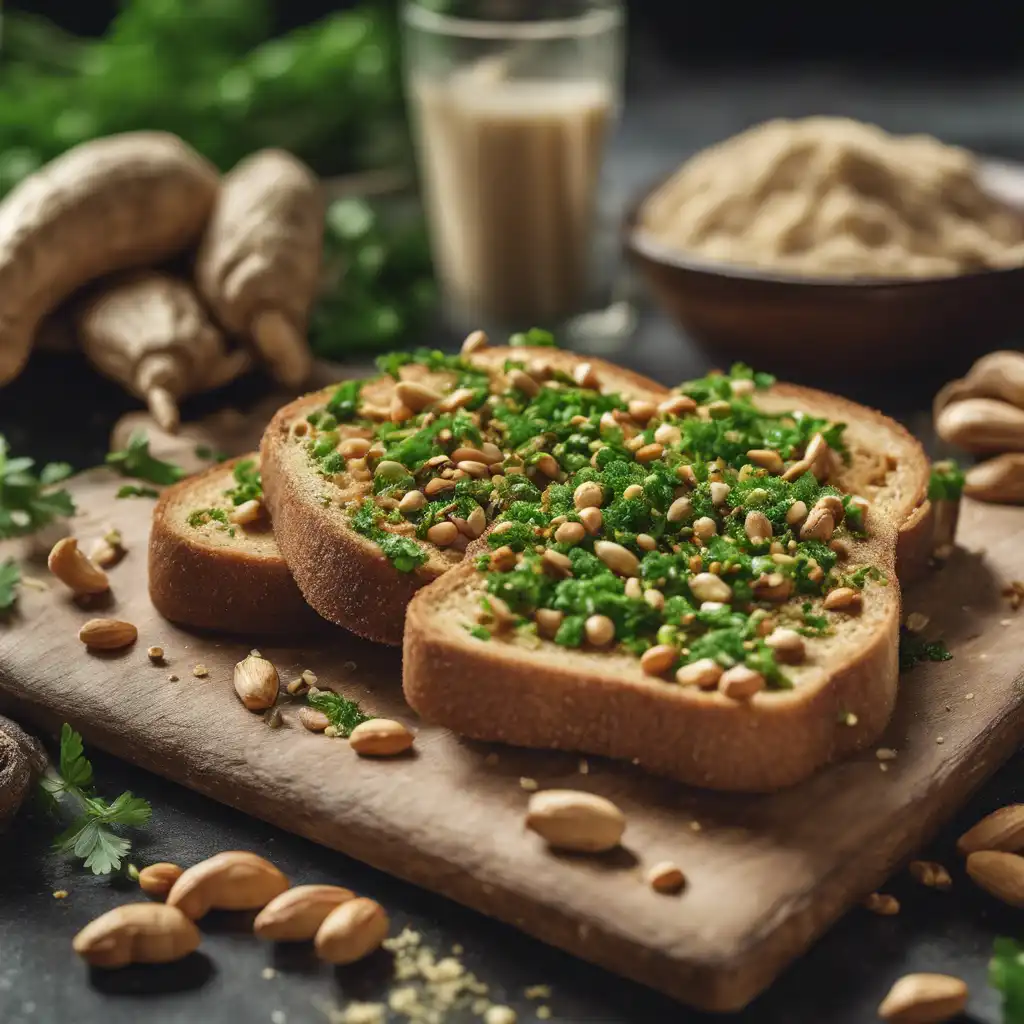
(258, 266)
(148, 331)
(111, 204)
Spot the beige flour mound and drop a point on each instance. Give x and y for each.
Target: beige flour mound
(829, 196)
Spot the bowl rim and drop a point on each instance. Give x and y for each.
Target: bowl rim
(640, 243)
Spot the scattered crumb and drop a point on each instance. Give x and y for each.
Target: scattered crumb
(500, 1015)
(1014, 593)
(885, 754)
(272, 717)
(308, 677)
(155, 654)
(530, 785)
(969, 696)
(33, 583)
(278, 1017)
(538, 992)
(200, 671)
(850, 719)
(1006, 622)
(172, 678)
(882, 766)
(268, 973)
(60, 894)
(940, 739)
(882, 904)
(583, 767)
(543, 1012)
(917, 621)
(491, 759)
(930, 873)
(666, 878)
(696, 826)
(457, 949)
(949, 707)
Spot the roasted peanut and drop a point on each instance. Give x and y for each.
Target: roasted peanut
(233, 880)
(137, 933)
(351, 931)
(296, 915)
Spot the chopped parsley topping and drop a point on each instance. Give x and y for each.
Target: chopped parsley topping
(946, 482)
(915, 649)
(29, 502)
(706, 531)
(136, 491)
(248, 484)
(343, 713)
(535, 337)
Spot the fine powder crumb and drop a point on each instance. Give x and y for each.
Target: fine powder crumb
(530, 785)
(940, 739)
(200, 671)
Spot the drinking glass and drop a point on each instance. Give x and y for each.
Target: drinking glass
(512, 102)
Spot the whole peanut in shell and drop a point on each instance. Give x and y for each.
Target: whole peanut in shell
(123, 201)
(258, 266)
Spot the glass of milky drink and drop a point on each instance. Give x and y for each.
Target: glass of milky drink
(511, 102)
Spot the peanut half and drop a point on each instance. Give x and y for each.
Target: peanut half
(352, 931)
(924, 999)
(74, 570)
(571, 820)
(233, 880)
(1001, 830)
(157, 879)
(256, 683)
(137, 933)
(380, 737)
(296, 915)
(107, 634)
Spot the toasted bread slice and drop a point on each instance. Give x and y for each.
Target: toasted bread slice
(516, 687)
(213, 574)
(341, 573)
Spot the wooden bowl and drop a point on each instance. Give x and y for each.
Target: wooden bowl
(835, 328)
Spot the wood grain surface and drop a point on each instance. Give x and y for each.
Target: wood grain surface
(766, 875)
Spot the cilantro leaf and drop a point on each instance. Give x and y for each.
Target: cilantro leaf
(344, 714)
(136, 461)
(91, 837)
(1006, 974)
(26, 503)
(10, 578)
(134, 491)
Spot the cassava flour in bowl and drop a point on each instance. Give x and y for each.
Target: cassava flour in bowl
(833, 197)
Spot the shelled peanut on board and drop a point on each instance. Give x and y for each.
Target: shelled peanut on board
(983, 413)
(130, 200)
(258, 265)
(148, 331)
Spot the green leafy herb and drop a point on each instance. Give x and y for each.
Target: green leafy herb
(914, 649)
(10, 579)
(479, 632)
(345, 400)
(136, 461)
(206, 516)
(1006, 974)
(28, 502)
(534, 337)
(136, 491)
(248, 483)
(204, 451)
(403, 552)
(344, 714)
(946, 482)
(92, 837)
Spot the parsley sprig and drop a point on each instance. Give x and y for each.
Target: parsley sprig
(1006, 973)
(136, 461)
(91, 837)
(344, 714)
(28, 502)
(915, 649)
(10, 579)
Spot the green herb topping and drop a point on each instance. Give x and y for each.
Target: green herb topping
(344, 714)
(915, 649)
(136, 491)
(136, 461)
(92, 837)
(946, 482)
(678, 531)
(10, 580)
(28, 502)
(248, 483)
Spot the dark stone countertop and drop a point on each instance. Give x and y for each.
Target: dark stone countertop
(840, 981)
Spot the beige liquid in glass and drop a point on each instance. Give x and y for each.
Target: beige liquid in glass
(511, 170)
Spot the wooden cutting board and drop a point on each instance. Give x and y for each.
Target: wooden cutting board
(766, 874)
